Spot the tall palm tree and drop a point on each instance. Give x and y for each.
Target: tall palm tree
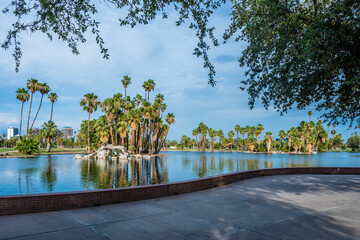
(123, 129)
(297, 143)
(259, 129)
(220, 135)
(48, 132)
(109, 106)
(195, 133)
(231, 135)
(90, 103)
(126, 81)
(309, 113)
(44, 89)
(102, 130)
(282, 135)
(146, 87)
(170, 118)
(22, 95)
(237, 129)
(53, 98)
(33, 85)
(212, 134)
(151, 86)
(268, 139)
(243, 132)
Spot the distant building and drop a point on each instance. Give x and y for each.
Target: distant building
(68, 132)
(12, 132)
(36, 131)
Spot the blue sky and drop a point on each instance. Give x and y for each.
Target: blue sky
(159, 51)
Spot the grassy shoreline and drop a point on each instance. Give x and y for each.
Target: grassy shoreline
(12, 153)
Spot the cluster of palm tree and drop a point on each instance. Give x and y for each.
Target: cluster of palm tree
(24, 94)
(307, 137)
(132, 122)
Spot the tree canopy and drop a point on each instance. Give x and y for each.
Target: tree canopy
(299, 52)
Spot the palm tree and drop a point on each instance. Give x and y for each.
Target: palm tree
(282, 135)
(237, 129)
(243, 132)
(44, 89)
(259, 129)
(297, 144)
(151, 86)
(231, 135)
(212, 134)
(110, 107)
(268, 139)
(90, 103)
(309, 113)
(333, 132)
(102, 130)
(203, 130)
(123, 129)
(126, 81)
(33, 85)
(170, 118)
(48, 132)
(22, 95)
(53, 98)
(146, 87)
(195, 133)
(220, 135)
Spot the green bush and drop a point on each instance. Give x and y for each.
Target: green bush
(285, 149)
(261, 149)
(28, 146)
(322, 147)
(303, 149)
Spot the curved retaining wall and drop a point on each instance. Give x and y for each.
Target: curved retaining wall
(19, 204)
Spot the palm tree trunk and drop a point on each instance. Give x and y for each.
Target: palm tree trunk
(125, 98)
(89, 134)
(42, 95)
(27, 128)
(52, 106)
(22, 106)
(48, 146)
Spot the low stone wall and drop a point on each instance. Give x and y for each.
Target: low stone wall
(19, 204)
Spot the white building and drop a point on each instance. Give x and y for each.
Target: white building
(12, 132)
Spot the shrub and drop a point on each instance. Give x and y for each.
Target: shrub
(261, 149)
(303, 149)
(28, 146)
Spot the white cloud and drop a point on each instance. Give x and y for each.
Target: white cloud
(8, 119)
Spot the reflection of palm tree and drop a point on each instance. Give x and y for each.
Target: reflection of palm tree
(48, 176)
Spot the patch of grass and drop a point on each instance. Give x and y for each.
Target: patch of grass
(6, 149)
(55, 150)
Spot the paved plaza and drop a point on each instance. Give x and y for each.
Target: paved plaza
(277, 207)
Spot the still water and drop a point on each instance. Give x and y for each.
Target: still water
(61, 173)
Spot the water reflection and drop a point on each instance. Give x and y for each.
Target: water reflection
(101, 174)
(48, 176)
(62, 173)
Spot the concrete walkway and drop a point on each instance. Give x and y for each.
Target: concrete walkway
(277, 207)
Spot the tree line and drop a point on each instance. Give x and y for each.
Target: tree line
(134, 122)
(308, 137)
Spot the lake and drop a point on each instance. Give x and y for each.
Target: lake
(61, 173)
